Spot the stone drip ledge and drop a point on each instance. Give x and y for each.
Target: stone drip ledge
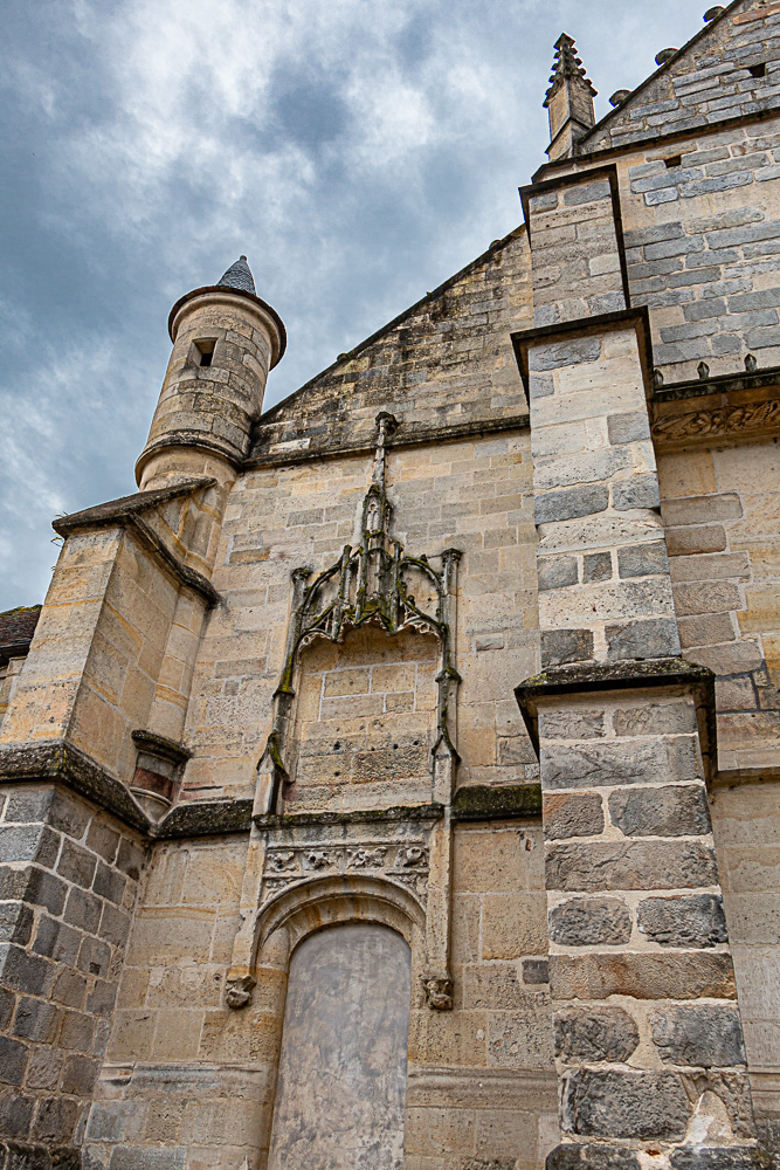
(367, 816)
(55, 761)
(497, 802)
(634, 675)
(414, 436)
(127, 512)
(718, 384)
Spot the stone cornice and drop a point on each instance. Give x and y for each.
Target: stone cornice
(581, 678)
(415, 436)
(56, 761)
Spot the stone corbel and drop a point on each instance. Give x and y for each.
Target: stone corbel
(159, 764)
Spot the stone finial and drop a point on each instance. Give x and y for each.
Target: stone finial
(619, 96)
(569, 100)
(713, 13)
(567, 66)
(665, 55)
(238, 275)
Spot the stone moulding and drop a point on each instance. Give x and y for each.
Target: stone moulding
(56, 761)
(497, 802)
(586, 678)
(420, 436)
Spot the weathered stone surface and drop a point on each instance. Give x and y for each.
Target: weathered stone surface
(585, 922)
(596, 764)
(536, 971)
(635, 865)
(642, 560)
(625, 1104)
(596, 567)
(599, 1157)
(721, 1158)
(709, 1036)
(655, 719)
(643, 638)
(639, 492)
(559, 646)
(672, 811)
(568, 505)
(695, 921)
(596, 976)
(565, 353)
(572, 815)
(556, 572)
(593, 1034)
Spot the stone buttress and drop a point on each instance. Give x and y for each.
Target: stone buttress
(648, 1039)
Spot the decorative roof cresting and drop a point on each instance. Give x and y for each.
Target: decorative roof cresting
(239, 276)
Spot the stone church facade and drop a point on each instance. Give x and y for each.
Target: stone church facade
(392, 781)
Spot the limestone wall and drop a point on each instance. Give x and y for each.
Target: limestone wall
(68, 883)
(722, 516)
(746, 838)
(472, 494)
(702, 228)
(445, 362)
(185, 1072)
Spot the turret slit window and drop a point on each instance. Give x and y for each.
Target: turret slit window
(204, 351)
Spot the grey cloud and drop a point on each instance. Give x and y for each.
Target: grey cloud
(359, 153)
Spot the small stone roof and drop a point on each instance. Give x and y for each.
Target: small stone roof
(17, 627)
(238, 275)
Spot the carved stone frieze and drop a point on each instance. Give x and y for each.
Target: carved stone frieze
(405, 863)
(746, 418)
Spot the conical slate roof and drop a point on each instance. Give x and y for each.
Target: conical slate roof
(239, 276)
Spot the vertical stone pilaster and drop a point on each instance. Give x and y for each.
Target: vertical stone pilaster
(648, 1041)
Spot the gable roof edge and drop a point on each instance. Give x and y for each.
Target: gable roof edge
(270, 414)
(703, 32)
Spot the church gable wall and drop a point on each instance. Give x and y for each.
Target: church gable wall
(707, 273)
(710, 81)
(445, 363)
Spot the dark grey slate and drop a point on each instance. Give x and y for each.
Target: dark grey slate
(238, 276)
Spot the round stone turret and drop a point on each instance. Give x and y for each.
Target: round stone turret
(225, 340)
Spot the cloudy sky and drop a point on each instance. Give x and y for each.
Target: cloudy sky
(359, 151)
